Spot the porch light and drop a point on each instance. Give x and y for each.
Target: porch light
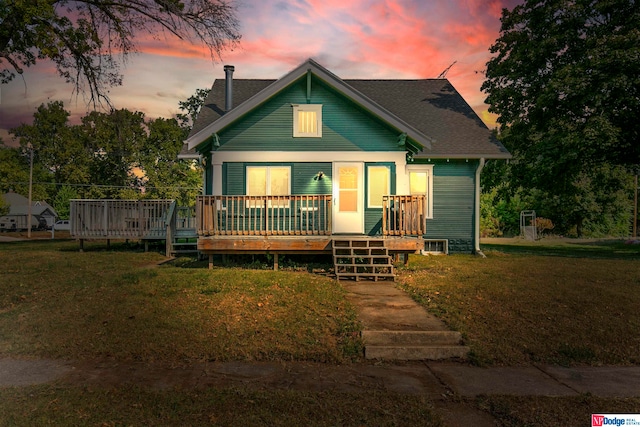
(318, 176)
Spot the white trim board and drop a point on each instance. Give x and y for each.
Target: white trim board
(398, 157)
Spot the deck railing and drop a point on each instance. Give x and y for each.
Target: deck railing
(119, 219)
(264, 215)
(404, 215)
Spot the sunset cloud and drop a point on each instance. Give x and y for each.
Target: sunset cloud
(354, 39)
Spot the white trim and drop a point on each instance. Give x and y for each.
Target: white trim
(216, 174)
(398, 157)
(429, 170)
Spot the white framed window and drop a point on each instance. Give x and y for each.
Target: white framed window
(268, 181)
(378, 185)
(421, 183)
(307, 120)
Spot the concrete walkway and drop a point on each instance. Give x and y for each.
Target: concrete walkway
(382, 306)
(446, 384)
(432, 379)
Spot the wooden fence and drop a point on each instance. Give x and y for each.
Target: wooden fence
(119, 219)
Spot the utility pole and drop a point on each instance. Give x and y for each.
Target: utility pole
(30, 192)
(635, 207)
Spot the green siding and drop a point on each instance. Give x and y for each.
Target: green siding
(453, 204)
(233, 177)
(345, 126)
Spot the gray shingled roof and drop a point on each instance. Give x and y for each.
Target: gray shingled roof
(432, 106)
(19, 205)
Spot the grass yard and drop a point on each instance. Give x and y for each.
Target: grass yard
(559, 303)
(548, 303)
(518, 411)
(56, 302)
(73, 407)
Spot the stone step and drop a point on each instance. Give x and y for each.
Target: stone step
(411, 338)
(436, 352)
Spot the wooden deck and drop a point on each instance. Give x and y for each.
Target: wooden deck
(284, 245)
(297, 244)
(292, 224)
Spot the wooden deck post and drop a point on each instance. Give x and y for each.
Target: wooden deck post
(275, 261)
(210, 261)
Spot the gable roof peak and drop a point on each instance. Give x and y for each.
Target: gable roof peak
(310, 65)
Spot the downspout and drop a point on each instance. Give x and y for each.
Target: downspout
(477, 250)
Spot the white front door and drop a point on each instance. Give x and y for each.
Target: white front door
(348, 198)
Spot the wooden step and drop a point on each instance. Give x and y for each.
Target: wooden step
(362, 258)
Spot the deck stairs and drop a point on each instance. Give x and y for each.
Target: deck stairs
(184, 242)
(358, 258)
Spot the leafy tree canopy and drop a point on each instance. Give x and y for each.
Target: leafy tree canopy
(14, 173)
(565, 78)
(191, 108)
(565, 81)
(83, 38)
(109, 155)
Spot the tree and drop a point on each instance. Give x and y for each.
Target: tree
(83, 37)
(115, 140)
(192, 107)
(57, 145)
(14, 174)
(565, 74)
(4, 206)
(165, 176)
(564, 81)
(61, 202)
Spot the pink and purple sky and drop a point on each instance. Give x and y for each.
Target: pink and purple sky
(405, 39)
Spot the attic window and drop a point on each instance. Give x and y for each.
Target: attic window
(307, 121)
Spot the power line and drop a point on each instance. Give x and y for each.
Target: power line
(104, 185)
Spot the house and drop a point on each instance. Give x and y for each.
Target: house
(387, 158)
(312, 163)
(42, 214)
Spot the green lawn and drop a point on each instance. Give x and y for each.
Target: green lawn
(555, 304)
(57, 302)
(551, 302)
